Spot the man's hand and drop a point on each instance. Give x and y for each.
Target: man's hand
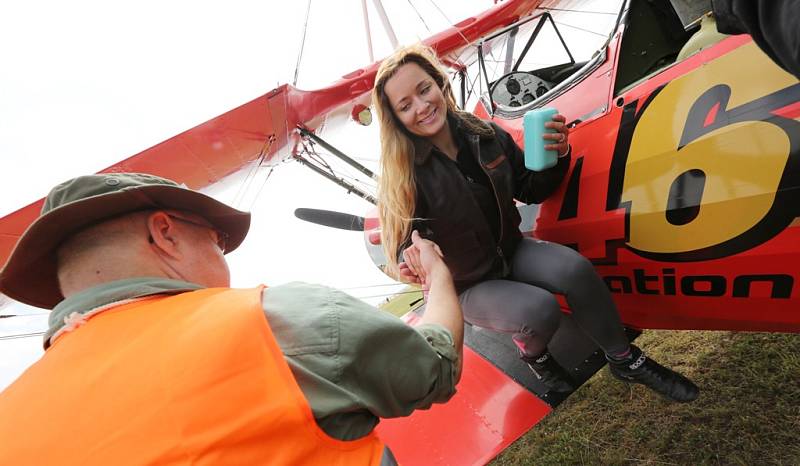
(421, 259)
(425, 265)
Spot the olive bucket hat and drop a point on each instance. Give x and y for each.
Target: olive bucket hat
(30, 274)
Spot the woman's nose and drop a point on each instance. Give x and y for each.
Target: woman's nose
(420, 106)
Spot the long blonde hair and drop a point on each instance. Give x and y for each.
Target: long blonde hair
(396, 188)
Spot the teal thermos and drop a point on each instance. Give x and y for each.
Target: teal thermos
(536, 157)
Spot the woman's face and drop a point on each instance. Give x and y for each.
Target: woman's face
(417, 100)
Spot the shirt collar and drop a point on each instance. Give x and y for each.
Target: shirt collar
(111, 292)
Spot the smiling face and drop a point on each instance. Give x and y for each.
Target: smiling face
(417, 101)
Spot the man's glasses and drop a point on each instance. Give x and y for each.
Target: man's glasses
(220, 236)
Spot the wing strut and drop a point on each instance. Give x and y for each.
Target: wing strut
(366, 29)
(346, 185)
(386, 24)
(318, 165)
(310, 135)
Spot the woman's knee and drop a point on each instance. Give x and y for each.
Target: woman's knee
(540, 315)
(578, 268)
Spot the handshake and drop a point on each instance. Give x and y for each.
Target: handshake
(423, 263)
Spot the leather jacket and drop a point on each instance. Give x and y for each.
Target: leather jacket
(448, 213)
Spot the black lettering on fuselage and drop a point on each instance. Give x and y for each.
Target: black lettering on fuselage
(653, 283)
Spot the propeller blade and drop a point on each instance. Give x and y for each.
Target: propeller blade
(331, 219)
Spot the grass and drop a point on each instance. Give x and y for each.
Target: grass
(748, 412)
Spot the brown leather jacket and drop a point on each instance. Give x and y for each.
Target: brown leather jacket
(453, 219)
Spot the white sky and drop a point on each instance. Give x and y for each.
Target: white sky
(87, 83)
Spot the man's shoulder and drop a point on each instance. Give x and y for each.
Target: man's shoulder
(313, 318)
(309, 297)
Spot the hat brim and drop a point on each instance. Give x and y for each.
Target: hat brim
(30, 275)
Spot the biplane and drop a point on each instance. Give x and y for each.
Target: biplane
(686, 146)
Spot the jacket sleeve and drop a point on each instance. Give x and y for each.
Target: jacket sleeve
(355, 363)
(771, 23)
(531, 187)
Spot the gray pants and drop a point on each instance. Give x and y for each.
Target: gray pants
(524, 306)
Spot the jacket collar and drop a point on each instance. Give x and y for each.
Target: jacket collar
(460, 123)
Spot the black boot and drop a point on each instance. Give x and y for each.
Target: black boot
(638, 368)
(549, 373)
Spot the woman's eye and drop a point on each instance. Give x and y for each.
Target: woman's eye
(404, 108)
(426, 89)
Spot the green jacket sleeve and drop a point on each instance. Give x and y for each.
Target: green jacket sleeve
(355, 363)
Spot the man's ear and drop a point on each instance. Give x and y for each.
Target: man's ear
(163, 233)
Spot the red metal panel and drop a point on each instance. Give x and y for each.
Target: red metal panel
(486, 415)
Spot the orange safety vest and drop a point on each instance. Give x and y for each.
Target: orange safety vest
(195, 378)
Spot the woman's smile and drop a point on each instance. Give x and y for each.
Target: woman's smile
(417, 101)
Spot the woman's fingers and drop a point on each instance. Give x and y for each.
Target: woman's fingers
(406, 275)
(411, 257)
(559, 141)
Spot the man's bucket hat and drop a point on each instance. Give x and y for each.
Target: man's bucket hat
(30, 275)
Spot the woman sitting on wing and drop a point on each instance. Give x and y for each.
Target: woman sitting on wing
(454, 177)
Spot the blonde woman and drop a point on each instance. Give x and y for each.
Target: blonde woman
(453, 178)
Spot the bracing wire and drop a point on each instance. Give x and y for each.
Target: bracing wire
(261, 188)
(302, 45)
(386, 295)
(581, 29)
(310, 150)
(248, 180)
(466, 41)
(472, 86)
(580, 11)
(372, 286)
(21, 335)
(356, 179)
(419, 16)
(5, 316)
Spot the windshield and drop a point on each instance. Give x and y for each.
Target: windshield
(573, 33)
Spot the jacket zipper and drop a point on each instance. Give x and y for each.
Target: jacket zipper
(474, 139)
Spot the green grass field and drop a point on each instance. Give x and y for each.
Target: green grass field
(748, 412)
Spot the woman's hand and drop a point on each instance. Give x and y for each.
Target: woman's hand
(406, 275)
(560, 142)
(420, 259)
